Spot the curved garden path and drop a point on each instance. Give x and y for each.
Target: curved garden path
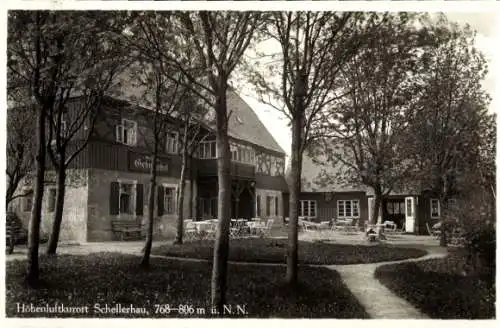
(379, 302)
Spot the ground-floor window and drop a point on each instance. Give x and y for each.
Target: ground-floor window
(308, 208)
(166, 200)
(51, 202)
(271, 205)
(126, 197)
(348, 208)
(207, 206)
(435, 208)
(395, 207)
(27, 200)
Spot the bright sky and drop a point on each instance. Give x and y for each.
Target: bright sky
(485, 23)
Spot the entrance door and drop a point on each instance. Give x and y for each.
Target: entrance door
(410, 214)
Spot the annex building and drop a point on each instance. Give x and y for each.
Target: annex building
(411, 210)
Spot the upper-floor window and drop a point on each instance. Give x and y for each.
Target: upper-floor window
(126, 132)
(172, 143)
(242, 154)
(207, 149)
(348, 208)
(308, 208)
(435, 208)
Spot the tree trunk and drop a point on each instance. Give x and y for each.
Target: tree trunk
(221, 247)
(58, 211)
(377, 207)
(443, 240)
(151, 208)
(9, 191)
(191, 186)
(36, 210)
(292, 251)
(182, 184)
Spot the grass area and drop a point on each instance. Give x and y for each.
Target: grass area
(439, 288)
(265, 250)
(111, 279)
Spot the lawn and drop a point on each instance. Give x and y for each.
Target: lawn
(439, 288)
(111, 279)
(265, 250)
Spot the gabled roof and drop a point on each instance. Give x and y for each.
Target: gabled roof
(322, 175)
(316, 168)
(244, 124)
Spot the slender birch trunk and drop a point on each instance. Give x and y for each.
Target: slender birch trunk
(58, 211)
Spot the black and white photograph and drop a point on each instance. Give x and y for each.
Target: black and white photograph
(215, 163)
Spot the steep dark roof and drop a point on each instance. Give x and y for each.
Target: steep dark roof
(244, 124)
(313, 172)
(316, 167)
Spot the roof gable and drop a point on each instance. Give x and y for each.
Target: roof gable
(244, 124)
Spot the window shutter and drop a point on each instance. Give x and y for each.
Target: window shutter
(139, 199)
(276, 206)
(118, 133)
(258, 211)
(268, 206)
(160, 201)
(114, 194)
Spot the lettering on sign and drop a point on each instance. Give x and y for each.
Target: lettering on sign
(143, 163)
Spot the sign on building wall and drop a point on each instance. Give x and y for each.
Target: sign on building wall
(142, 163)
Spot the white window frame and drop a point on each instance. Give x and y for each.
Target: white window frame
(120, 132)
(175, 145)
(174, 200)
(205, 149)
(352, 207)
(309, 204)
(133, 197)
(438, 208)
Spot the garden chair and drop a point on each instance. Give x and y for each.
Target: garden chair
(238, 228)
(324, 225)
(390, 226)
(305, 225)
(190, 230)
(433, 232)
(264, 232)
(211, 231)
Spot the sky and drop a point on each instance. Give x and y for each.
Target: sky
(487, 39)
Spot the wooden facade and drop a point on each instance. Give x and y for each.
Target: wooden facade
(116, 183)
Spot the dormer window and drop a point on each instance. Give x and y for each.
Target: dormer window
(126, 132)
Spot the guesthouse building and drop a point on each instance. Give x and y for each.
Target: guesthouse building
(109, 179)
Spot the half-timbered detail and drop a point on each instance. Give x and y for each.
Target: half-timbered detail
(108, 182)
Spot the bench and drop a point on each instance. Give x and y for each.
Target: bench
(14, 232)
(127, 229)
